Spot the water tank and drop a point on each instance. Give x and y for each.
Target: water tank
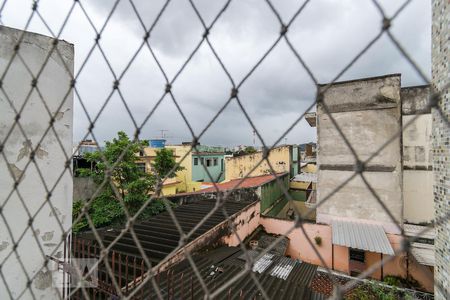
(157, 143)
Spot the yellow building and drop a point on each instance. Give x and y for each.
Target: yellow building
(182, 182)
(282, 159)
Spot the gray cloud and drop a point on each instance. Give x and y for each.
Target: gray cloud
(327, 34)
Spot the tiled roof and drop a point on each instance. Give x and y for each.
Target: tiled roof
(248, 182)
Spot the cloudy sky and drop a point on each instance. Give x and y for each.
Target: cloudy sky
(327, 34)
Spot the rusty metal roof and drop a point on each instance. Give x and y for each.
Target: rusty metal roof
(159, 236)
(218, 266)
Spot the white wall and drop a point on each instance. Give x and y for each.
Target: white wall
(45, 235)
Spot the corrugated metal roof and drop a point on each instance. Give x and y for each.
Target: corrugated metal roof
(423, 253)
(360, 235)
(218, 266)
(427, 232)
(283, 268)
(305, 177)
(263, 263)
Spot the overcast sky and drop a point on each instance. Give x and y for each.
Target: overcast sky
(328, 34)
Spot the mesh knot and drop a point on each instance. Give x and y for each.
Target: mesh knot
(386, 23)
(17, 118)
(49, 195)
(359, 167)
(265, 153)
(116, 84)
(406, 245)
(283, 30)
(206, 33)
(52, 121)
(67, 164)
(55, 42)
(98, 37)
(1, 83)
(72, 83)
(1, 148)
(234, 92)
(168, 87)
(32, 153)
(30, 221)
(137, 133)
(434, 99)
(34, 82)
(16, 47)
(319, 97)
(34, 6)
(91, 126)
(146, 36)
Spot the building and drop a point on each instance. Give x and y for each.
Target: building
(369, 111)
(182, 181)
(282, 159)
(208, 164)
(440, 71)
(195, 162)
(31, 229)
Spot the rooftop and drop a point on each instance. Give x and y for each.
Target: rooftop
(248, 182)
(280, 277)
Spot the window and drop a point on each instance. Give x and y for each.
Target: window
(141, 167)
(202, 161)
(141, 152)
(358, 255)
(221, 164)
(196, 161)
(208, 162)
(215, 161)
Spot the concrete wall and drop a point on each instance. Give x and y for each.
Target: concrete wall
(83, 188)
(368, 112)
(45, 233)
(239, 195)
(299, 247)
(241, 166)
(440, 68)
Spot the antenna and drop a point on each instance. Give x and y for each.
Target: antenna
(163, 135)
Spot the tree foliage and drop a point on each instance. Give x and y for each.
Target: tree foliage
(165, 164)
(126, 182)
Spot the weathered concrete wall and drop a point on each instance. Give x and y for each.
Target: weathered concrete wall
(417, 155)
(238, 195)
(45, 232)
(244, 224)
(240, 166)
(441, 150)
(368, 111)
(418, 196)
(83, 188)
(299, 247)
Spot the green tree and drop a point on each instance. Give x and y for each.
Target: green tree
(126, 182)
(164, 163)
(249, 150)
